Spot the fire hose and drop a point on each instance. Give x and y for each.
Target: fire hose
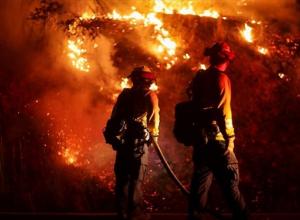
(173, 176)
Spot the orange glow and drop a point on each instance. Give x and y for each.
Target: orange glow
(247, 33)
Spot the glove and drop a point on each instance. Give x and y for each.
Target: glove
(155, 139)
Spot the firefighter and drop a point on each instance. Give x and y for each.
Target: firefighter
(213, 148)
(134, 118)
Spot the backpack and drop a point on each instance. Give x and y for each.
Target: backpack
(184, 128)
(113, 130)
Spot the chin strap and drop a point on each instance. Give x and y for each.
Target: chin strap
(172, 175)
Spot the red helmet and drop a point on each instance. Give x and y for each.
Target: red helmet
(142, 72)
(221, 50)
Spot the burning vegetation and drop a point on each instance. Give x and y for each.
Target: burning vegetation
(72, 60)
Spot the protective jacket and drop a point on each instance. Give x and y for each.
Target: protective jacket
(139, 105)
(211, 90)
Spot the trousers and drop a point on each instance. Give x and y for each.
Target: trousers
(130, 173)
(226, 174)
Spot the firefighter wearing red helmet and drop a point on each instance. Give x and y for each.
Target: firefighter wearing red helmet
(213, 149)
(134, 118)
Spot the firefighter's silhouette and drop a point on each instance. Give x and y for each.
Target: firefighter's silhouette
(134, 118)
(213, 154)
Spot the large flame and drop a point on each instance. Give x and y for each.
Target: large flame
(166, 47)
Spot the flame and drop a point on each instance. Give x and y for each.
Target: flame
(161, 7)
(262, 50)
(174, 7)
(153, 87)
(202, 66)
(186, 56)
(87, 16)
(281, 75)
(210, 13)
(166, 45)
(124, 83)
(247, 33)
(166, 48)
(253, 21)
(76, 54)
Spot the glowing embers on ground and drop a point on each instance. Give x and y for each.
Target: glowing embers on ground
(72, 149)
(69, 156)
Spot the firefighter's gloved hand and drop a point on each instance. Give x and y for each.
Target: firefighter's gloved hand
(155, 139)
(146, 135)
